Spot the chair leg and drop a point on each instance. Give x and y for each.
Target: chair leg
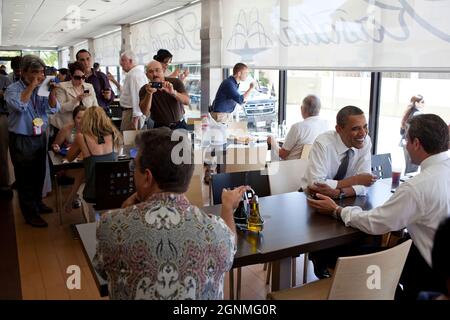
(294, 272)
(238, 286)
(305, 268)
(265, 266)
(231, 282)
(59, 205)
(388, 239)
(269, 272)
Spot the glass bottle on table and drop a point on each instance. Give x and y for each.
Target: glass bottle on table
(254, 222)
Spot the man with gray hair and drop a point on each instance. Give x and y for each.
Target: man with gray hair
(303, 132)
(27, 126)
(132, 117)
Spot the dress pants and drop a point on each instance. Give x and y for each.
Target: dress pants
(29, 154)
(4, 168)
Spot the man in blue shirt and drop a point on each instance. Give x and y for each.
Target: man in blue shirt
(228, 95)
(27, 125)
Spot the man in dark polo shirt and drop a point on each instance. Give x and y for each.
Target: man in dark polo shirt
(98, 79)
(164, 105)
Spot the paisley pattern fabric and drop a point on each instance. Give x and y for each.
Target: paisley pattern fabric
(164, 248)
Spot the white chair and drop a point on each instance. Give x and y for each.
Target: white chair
(285, 176)
(367, 277)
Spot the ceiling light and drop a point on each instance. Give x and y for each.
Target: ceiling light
(15, 19)
(18, 12)
(106, 0)
(92, 10)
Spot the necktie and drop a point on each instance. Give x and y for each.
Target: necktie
(342, 170)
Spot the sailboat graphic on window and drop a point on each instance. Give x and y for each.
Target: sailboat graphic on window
(248, 37)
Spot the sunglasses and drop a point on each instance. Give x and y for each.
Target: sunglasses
(79, 77)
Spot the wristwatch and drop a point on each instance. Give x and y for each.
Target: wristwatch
(335, 213)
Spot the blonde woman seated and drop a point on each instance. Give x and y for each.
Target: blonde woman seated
(98, 141)
(71, 94)
(62, 143)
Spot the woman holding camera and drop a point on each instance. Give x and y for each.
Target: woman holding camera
(71, 94)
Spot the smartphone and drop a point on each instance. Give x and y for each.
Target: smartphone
(156, 85)
(86, 91)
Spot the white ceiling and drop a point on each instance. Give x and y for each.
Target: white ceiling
(47, 23)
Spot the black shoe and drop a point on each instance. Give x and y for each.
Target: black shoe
(37, 222)
(44, 209)
(6, 194)
(321, 270)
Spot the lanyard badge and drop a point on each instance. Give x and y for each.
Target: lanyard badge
(37, 126)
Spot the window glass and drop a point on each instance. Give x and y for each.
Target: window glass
(336, 89)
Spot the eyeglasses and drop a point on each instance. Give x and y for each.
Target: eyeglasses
(79, 77)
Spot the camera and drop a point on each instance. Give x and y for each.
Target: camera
(86, 91)
(156, 85)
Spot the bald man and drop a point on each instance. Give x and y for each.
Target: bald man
(163, 99)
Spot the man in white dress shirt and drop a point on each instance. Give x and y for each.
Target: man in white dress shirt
(419, 204)
(303, 132)
(132, 117)
(339, 166)
(340, 161)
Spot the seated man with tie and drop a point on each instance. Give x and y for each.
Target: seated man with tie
(339, 166)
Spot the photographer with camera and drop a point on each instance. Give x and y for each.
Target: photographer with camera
(163, 99)
(71, 94)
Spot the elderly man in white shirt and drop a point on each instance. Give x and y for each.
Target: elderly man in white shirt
(303, 132)
(132, 117)
(419, 204)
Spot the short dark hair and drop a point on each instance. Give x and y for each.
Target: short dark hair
(155, 150)
(64, 71)
(440, 260)
(77, 109)
(81, 51)
(16, 62)
(239, 67)
(74, 66)
(31, 62)
(345, 112)
(431, 131)
(162, 55)
(312, 105)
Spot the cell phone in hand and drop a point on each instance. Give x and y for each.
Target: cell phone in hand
(86, 91)
(156, 85)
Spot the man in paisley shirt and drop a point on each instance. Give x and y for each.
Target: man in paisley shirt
(159, 246)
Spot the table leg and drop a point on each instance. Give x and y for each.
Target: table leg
(281, 274)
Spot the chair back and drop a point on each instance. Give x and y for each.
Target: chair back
(305, 151)
(382, 165)
(369, 277)
(256, 179)
(114, 183)
(129, 137)
(285, 176)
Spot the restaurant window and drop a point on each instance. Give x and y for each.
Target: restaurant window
(397, 88)
(336, 89)
(192, 86)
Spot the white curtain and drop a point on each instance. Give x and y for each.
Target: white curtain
(107, 49)
(65, 58)
(337, 34)
(178, 32)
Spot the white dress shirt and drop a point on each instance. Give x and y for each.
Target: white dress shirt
(129, 96)
(326, 156)
(419, 204)
(301, 133)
